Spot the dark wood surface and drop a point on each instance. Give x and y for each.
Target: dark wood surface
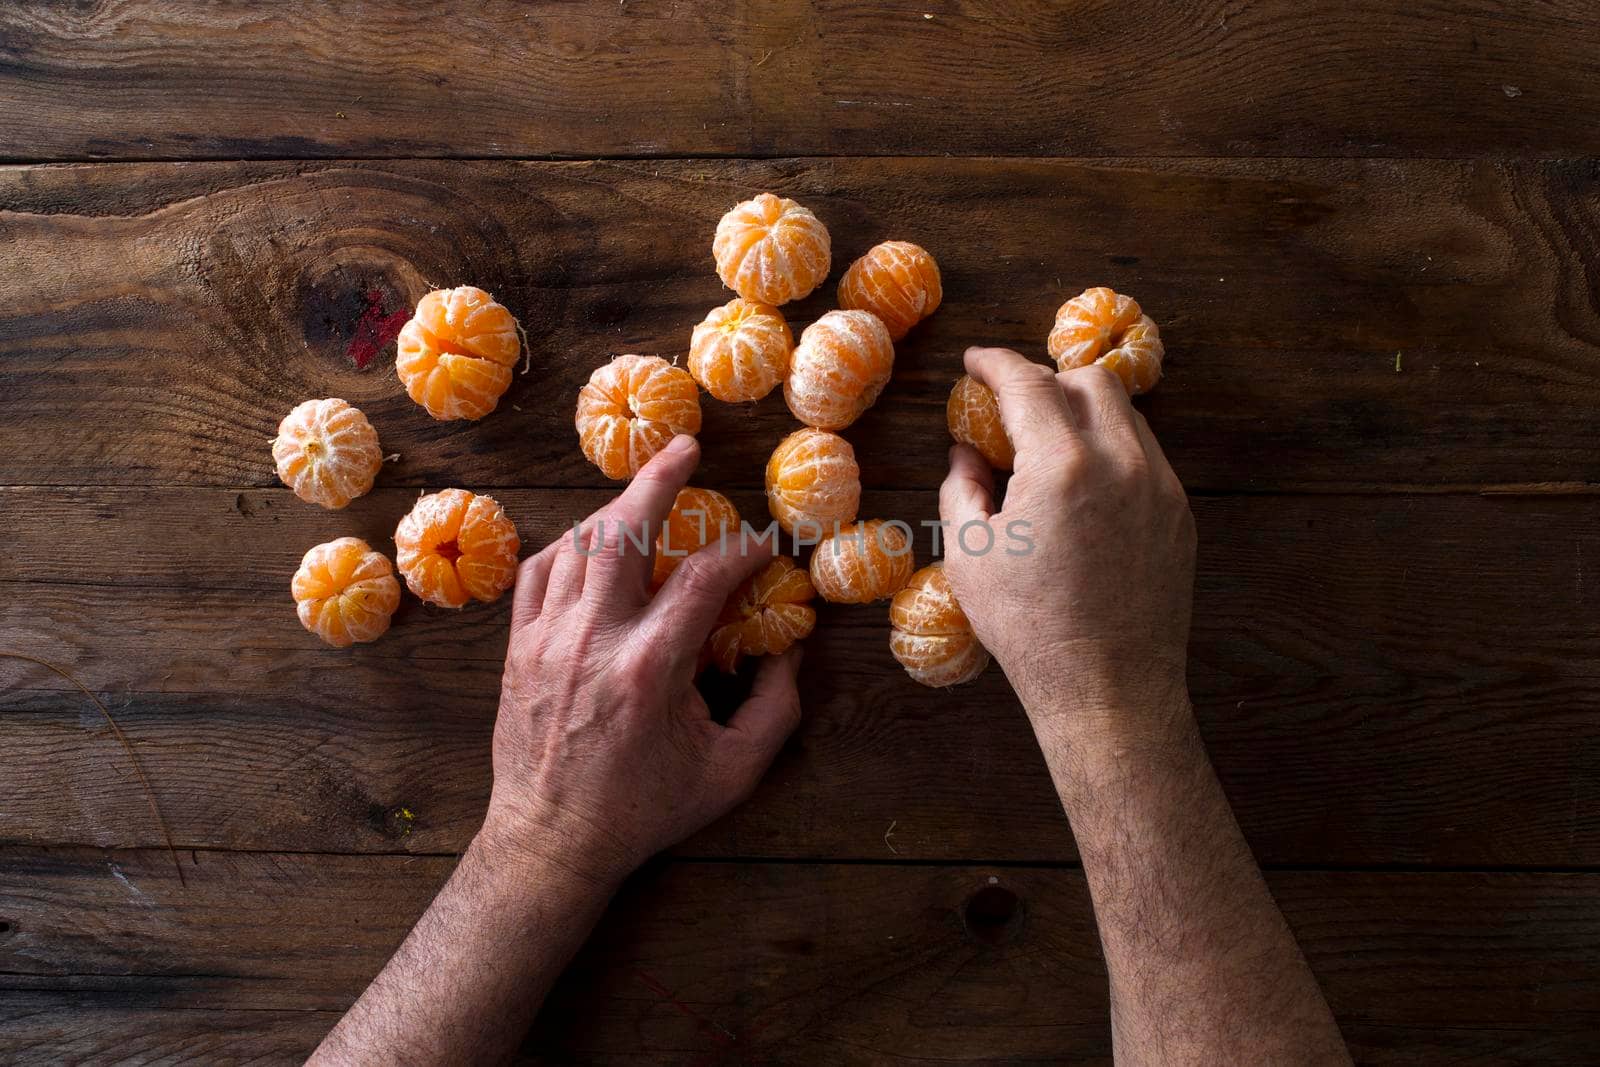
(1370, 232)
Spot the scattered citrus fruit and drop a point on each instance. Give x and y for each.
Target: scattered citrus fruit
(864, 561)
(1101, 326)
(345, 592)
(930, 635)
(841, 364)
(896, 281)
(699, 517)
(455, 546)
(741, 350)
(455, 355)
(765, 615)
(771, 250)
(973, 415)
(327, 452)
(812, 477)
(631, 409)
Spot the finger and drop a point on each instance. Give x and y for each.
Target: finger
(1155, 456)
(533, 577)
(616, 580)
(564, 590)
(1100, 405)
(967, 494)
(681, 615)
(760, 726)
(1032, 408)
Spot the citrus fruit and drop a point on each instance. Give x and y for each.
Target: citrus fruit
(455, 355)
(741, 350)
(327, 452)
(862, 562)
(812, 477)
(765, 615)
(1101, 326)
(841, 364)
(896, 281)
(929, 633)
(345, 592)
(973, 415)
(771, 250)
(455, 546)
(699, 517)
(630, 410)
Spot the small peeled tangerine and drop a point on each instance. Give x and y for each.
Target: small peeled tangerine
(771, 250)
(345, 592)
(930, 635)
(841, 364)
(973, 415)
(813, 479)
(327, 452)
(1101, 326)
(456, 546)
(767, 614)
(631, 409)
(896, 281)
(862, 562)
(699, 517)
(455, 355)
(741, 351)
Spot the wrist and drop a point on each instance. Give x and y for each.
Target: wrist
(521, 848)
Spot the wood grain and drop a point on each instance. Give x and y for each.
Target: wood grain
(151, 79)
(171, 315)
(775, 963)
(1363, 666)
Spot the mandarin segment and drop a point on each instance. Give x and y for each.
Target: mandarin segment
(344, 592)
(1106, 327)
(864, 561)
(456, 546)
(896, 281)
(740, 351)
(812, 477)
(930, 634)
(771, 250)
(327, 452)
(973, 415)
(765, 616)
(456, 354)
(699, 517)
(841, 364)
(631, 409)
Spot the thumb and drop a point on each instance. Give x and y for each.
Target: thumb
(968, 490)
(760, 726)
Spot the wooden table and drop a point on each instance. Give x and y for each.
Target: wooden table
(1370, 231)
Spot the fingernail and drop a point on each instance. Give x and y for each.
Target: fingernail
(680, 444)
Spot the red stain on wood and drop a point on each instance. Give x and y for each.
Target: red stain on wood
(374, 330)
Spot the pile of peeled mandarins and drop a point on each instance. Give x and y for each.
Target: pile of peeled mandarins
(456, 358)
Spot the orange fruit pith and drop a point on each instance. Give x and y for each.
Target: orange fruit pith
(841, 364)
(973, 415)
(864, 561)
(771, 250)
(456, 546)
(630, 410)
(455, 355)
(741, 351)
(765, 615)
(699, 517)
(1106, 327)
(345, 592)
(930, 635)
(813, 478)
(896, 281)
(327, 452)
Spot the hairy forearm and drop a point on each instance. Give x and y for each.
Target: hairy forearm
(1203, 968)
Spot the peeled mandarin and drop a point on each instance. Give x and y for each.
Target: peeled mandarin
(765, 615)
(864, 561)
(327, 452)
(930, 635)
(631, 409)
(699, 517)
(896, 281)
(841, 364)
(1105, 327)
(741, 351)
(456, 546)
(973, 415)
(771, 250)
(345, 592)
(455, 355)
(813, 478)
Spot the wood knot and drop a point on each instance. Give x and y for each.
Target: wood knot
(993, 915)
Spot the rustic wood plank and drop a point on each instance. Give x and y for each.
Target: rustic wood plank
(149, 79)
(171, 315)
(799, 963)
(1362, 666)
